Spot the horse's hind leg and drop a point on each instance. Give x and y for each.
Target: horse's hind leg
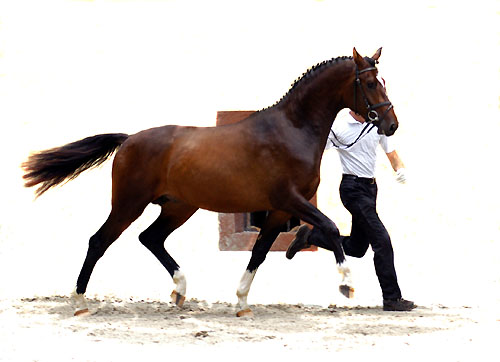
(266, 238)
(173, 214)
(119, 219)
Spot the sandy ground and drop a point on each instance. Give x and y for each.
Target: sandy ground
(43, 329)
(71, 69)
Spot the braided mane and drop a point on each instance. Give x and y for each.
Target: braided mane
(313, 71)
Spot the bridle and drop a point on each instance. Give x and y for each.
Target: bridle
(372, 113)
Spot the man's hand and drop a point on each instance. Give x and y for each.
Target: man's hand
(401, 175)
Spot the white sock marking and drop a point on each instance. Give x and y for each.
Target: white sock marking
(346, 274)
(78, 300)
(244, 288)
(180, 282)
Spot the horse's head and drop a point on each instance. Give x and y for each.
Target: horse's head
(370, 98)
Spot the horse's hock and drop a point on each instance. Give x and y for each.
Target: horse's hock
(238, 232)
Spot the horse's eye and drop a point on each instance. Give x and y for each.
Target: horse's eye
(371, 85)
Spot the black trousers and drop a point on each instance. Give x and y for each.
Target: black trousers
(360, 199)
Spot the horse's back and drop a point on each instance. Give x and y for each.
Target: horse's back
(189, 164)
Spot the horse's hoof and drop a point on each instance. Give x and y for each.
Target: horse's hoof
(346, 291)
(245, 313)
(79, 304)
(82, 312)
(177, 299)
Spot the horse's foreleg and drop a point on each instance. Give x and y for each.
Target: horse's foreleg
(327, 234)
(267, 235)
(173, 215)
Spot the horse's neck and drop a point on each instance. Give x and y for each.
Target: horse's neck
(314, 105)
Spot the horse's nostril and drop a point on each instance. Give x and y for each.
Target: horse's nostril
(393, 127)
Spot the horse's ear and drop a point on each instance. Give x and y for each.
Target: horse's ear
(358, 59)
(377, 54)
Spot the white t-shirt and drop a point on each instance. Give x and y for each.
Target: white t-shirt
(359, 159)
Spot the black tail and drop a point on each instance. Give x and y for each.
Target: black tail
(52, 167)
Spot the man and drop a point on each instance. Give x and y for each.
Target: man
(358, 192)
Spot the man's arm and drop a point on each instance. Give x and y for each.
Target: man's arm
(395, 160)
(398, 166)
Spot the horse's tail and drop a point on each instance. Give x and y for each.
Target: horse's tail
(52, 167)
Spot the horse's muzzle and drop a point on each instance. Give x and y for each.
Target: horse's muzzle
(391, 129)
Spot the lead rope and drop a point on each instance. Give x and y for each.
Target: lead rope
(343, 146)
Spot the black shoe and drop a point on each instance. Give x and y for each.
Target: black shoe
(398, 305)
(300, 241)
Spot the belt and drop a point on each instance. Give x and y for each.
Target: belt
(365, 180)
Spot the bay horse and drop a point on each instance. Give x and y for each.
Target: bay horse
(269, 161)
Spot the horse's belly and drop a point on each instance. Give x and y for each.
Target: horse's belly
(221, 195)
